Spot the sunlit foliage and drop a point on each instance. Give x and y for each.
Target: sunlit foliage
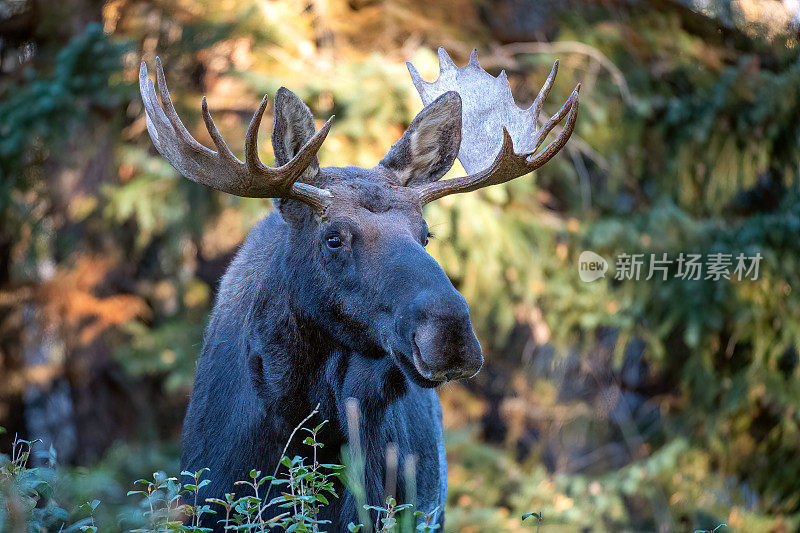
(606, 404)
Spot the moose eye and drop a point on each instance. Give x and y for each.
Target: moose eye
(334, 241)
(428, 237)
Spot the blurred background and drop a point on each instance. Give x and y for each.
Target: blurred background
(609, 406)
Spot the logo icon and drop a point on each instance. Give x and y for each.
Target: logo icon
(591, 266)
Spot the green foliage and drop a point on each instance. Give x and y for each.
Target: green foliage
(309, 488)
(38, 117)
(168, 350)
(29, 499)
(675, 488)
(676, 171)
(665, 159)
(43, 114)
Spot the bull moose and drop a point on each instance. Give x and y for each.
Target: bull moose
(333, 296)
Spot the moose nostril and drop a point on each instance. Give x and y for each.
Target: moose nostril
(450, 376)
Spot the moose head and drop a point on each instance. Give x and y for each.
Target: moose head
(358, 234)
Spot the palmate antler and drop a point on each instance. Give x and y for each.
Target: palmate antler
(493, 125)
(222, 170)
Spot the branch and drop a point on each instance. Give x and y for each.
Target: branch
(501, 56)
(288, 442)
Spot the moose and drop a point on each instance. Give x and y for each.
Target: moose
(333, 296)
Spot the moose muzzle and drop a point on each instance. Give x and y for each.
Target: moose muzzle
(444, 346)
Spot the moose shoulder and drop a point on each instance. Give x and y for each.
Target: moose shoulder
(334, 296)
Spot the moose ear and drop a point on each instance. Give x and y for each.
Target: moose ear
(293, 127)
(429, 146)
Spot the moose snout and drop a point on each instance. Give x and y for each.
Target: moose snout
(445, 346)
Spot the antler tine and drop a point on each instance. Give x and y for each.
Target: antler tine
(155, 118)
(251, 138)
(216, 136)
(544, 131)
(544, 91)
(566, 132)
(221, 169)
(169, 108)
(445, 63)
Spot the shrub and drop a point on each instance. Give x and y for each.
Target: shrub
(29, 499)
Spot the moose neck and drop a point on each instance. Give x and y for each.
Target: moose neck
(328, 373)
(296, 362)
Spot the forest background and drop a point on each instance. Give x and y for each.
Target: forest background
(616, 405)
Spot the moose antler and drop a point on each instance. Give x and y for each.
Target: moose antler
(489, 109)
(222, 170)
